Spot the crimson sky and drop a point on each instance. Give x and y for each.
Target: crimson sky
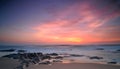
(59, 21)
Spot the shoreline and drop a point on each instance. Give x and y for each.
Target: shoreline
(55, 57)
(7, 63)
(74, 66)
(104, 63)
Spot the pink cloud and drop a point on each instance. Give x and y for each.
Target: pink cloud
(77, 23)
(63, 28)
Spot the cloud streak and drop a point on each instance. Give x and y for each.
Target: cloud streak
(79, 23)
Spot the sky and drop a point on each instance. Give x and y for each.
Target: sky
(59, 21)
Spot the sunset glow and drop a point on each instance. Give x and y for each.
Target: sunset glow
(60, 22)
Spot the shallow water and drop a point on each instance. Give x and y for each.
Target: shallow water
(108, 53)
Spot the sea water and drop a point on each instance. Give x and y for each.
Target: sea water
(109, 53)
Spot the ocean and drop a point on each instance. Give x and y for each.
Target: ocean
(108, 53)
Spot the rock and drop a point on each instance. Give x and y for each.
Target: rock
(112, 62)
(59, 57)
(54, 54)
(9, 50)
(21, 50)
(40, 54)
(46, 57)
(96, 57)
(118, 50)
(14, 56)
(75, 55)
(100, 49)
(57, 61)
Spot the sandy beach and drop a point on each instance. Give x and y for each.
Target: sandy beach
(74, 66)
(6, 63)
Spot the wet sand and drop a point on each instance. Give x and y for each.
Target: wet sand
(74, 66)
(6, 63)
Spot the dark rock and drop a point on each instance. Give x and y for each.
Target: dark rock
(75, 55)
(96, 57)
(57, 61)
(100, 49)
(46, 57)
(118, 50)
(40, 54)
(59, 57)
(22, 51)
(112, 62)
(9, 50)
(14, 56)
(54, 54)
